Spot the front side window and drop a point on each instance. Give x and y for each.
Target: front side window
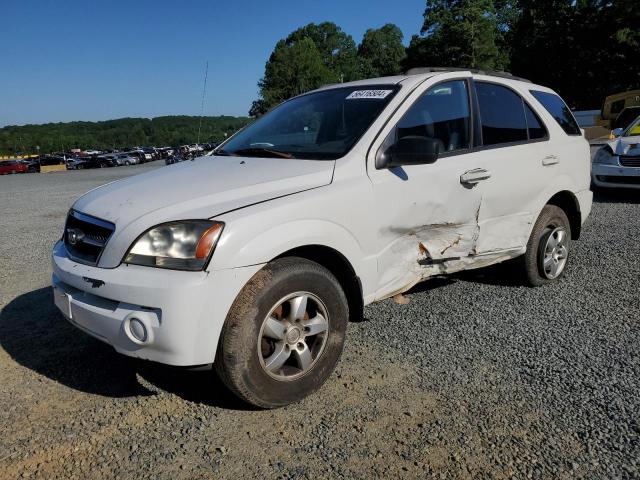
(442, 113)
(558, 110)
(322, 125)
(502, 114)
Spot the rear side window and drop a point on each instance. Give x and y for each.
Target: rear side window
(534, 124)
(502, 114)
(558, 110)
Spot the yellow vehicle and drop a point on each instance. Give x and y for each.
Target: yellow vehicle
(620, 109)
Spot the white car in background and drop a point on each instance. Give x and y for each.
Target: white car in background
(126, 159)
(617, 163)
(255, 258)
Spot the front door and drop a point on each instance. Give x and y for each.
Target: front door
(428, 214)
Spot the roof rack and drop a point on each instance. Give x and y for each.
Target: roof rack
(419, 70)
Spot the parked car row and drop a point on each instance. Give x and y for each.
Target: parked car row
(187, 152)
(84, 159)
(103, 161)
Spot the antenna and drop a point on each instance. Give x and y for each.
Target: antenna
(204, 91)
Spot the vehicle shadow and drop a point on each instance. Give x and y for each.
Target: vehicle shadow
(601, 195)
(503, 274)
(36, 336)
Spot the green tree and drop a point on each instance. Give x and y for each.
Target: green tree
(585, 49)
(337, 48)
(460, 33)
(292, 69)
(124, 132)
(381, 52)
(308, 58)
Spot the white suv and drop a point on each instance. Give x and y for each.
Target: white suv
(254, 258)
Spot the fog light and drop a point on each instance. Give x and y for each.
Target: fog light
(138, 331)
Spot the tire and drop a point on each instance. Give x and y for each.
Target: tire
(103, 165)
(551, 222)
(127, 163)
(247, 348)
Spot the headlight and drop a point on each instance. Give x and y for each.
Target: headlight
(604, 155)
(185, 245)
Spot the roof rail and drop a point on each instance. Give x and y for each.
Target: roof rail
(419, 70)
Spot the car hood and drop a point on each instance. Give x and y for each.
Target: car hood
(203, 188)
(625, 145)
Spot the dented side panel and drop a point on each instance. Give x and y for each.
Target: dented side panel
(429, 223)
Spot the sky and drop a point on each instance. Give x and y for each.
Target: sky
(97, 60)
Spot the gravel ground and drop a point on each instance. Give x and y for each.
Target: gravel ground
(475, 377)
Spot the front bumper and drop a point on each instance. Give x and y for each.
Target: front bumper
(182, 312)
(615, 176)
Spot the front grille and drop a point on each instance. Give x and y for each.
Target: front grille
(85, 237)
(630, 161)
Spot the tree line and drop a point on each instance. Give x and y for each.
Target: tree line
(123, 132)
(584, 49)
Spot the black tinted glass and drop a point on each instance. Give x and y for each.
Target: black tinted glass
(536, 129)
(442, 113)
(320, 125)
(501, 114)
(558, 110)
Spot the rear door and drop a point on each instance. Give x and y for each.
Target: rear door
(519, 157)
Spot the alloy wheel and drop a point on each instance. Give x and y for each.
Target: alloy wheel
(555, 253)
(293, 336)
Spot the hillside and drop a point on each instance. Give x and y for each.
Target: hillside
(169, 130)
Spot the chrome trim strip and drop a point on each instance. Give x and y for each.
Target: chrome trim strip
(89, 219)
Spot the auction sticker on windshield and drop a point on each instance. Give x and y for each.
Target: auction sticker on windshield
(375, 94)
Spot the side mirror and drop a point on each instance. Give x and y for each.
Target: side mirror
(410, 150)
(617, 132)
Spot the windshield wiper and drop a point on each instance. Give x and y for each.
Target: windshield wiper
(259, 151)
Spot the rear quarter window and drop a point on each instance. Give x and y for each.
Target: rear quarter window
(558, 110)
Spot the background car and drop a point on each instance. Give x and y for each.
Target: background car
(126, 159)
(13, 166)
(617, 163)
(33, 165)
(104, 161)
(140, 155)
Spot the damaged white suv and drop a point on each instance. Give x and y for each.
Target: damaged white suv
(254, 258)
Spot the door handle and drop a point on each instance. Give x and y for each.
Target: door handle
(550, 160)
(471, 177)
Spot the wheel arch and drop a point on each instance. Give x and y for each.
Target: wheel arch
(568, 202)
(340, 267)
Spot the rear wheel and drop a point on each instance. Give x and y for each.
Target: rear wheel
(284, 333)
(548, 248)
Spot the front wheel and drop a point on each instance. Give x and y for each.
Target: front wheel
(284, 333)
(548, 248)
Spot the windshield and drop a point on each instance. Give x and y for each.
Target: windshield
(633, 129)
(322, 125)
